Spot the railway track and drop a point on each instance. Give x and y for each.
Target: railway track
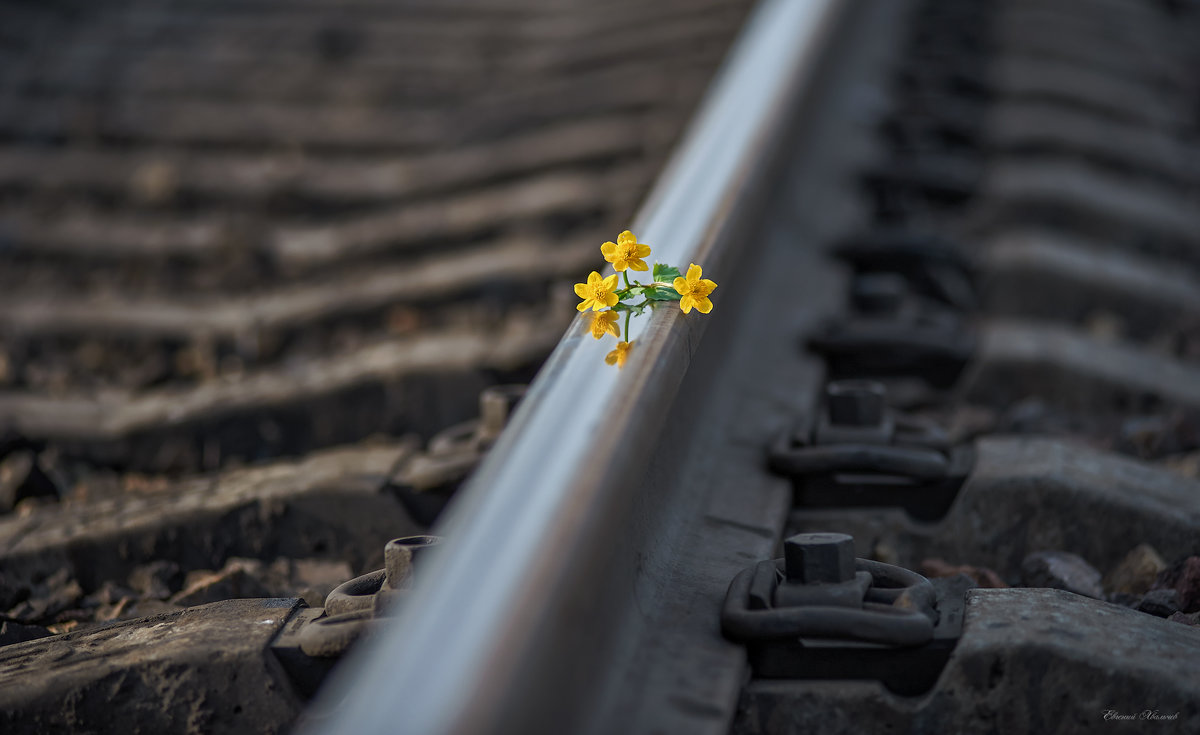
(930, 465)
(209, 209)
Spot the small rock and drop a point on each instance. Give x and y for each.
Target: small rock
(28, 610)
(1135, 574)
(146, 608)
(64, 593)
(154, 182)
(12, 632)
(236, 580)
(52, 596)
(21, 477)
(113, 611)
(885, 553)
(157, 580)
(1188, 586)
(969, 421)
(1120, 598)
(1183, 577)
(1186, 464)
(1159, 602)
(1063, 571)
(321, 571)
(1185, 618)
(1104, 325)
(982, 576)
(1024, 416)
(314, 579)
(1142, 436)
(110, 593)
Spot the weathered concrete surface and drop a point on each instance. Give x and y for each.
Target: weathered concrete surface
(1064, 279)
(1095, 202)
(292, 307)
(1062, 366)
(1045, 127)
(330, 503)
(204, 670)
(1037, 661)
(1033, 494)
(117, 414)
(1031, 32)
(1080, 86)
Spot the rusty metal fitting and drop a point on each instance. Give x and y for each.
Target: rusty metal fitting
(399, 557)
(352, 605)
(330, 636)
(454, 452)
(355, 595)
(496, 405)
(477, 435)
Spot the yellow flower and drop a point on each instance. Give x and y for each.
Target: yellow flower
(618, 356)
(597, 293)
(694, 291)
(626, 252)
(605, 322)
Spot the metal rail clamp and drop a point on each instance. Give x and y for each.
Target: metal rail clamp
(820, 613)
(863, 453)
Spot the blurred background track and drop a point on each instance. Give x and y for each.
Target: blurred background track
(231, 231)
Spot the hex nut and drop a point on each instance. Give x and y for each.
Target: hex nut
(819, 558)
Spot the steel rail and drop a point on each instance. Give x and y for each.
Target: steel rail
(496, 637)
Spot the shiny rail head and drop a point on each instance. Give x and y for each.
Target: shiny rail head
(522, 524)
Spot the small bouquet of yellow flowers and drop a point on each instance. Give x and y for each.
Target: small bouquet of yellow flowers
(606, 300)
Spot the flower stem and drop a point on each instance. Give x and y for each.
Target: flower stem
(625, 275)
(627, 315)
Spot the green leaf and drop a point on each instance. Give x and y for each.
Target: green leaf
(665, 273)
(662, 293)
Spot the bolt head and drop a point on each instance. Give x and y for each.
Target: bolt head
(819, 558)
(856, 402)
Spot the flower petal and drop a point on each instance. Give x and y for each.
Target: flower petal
(638, 264)
(694, 272)
(597, 326)
(707, 285)
(625, 237)
(610, 283)
(610, 299)
(617, 357)
(682, 286)
(584, 305)
(608, 250)
(593, 279)
(703, 305)
(641, 250)
(581, 290)
(686, 303)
